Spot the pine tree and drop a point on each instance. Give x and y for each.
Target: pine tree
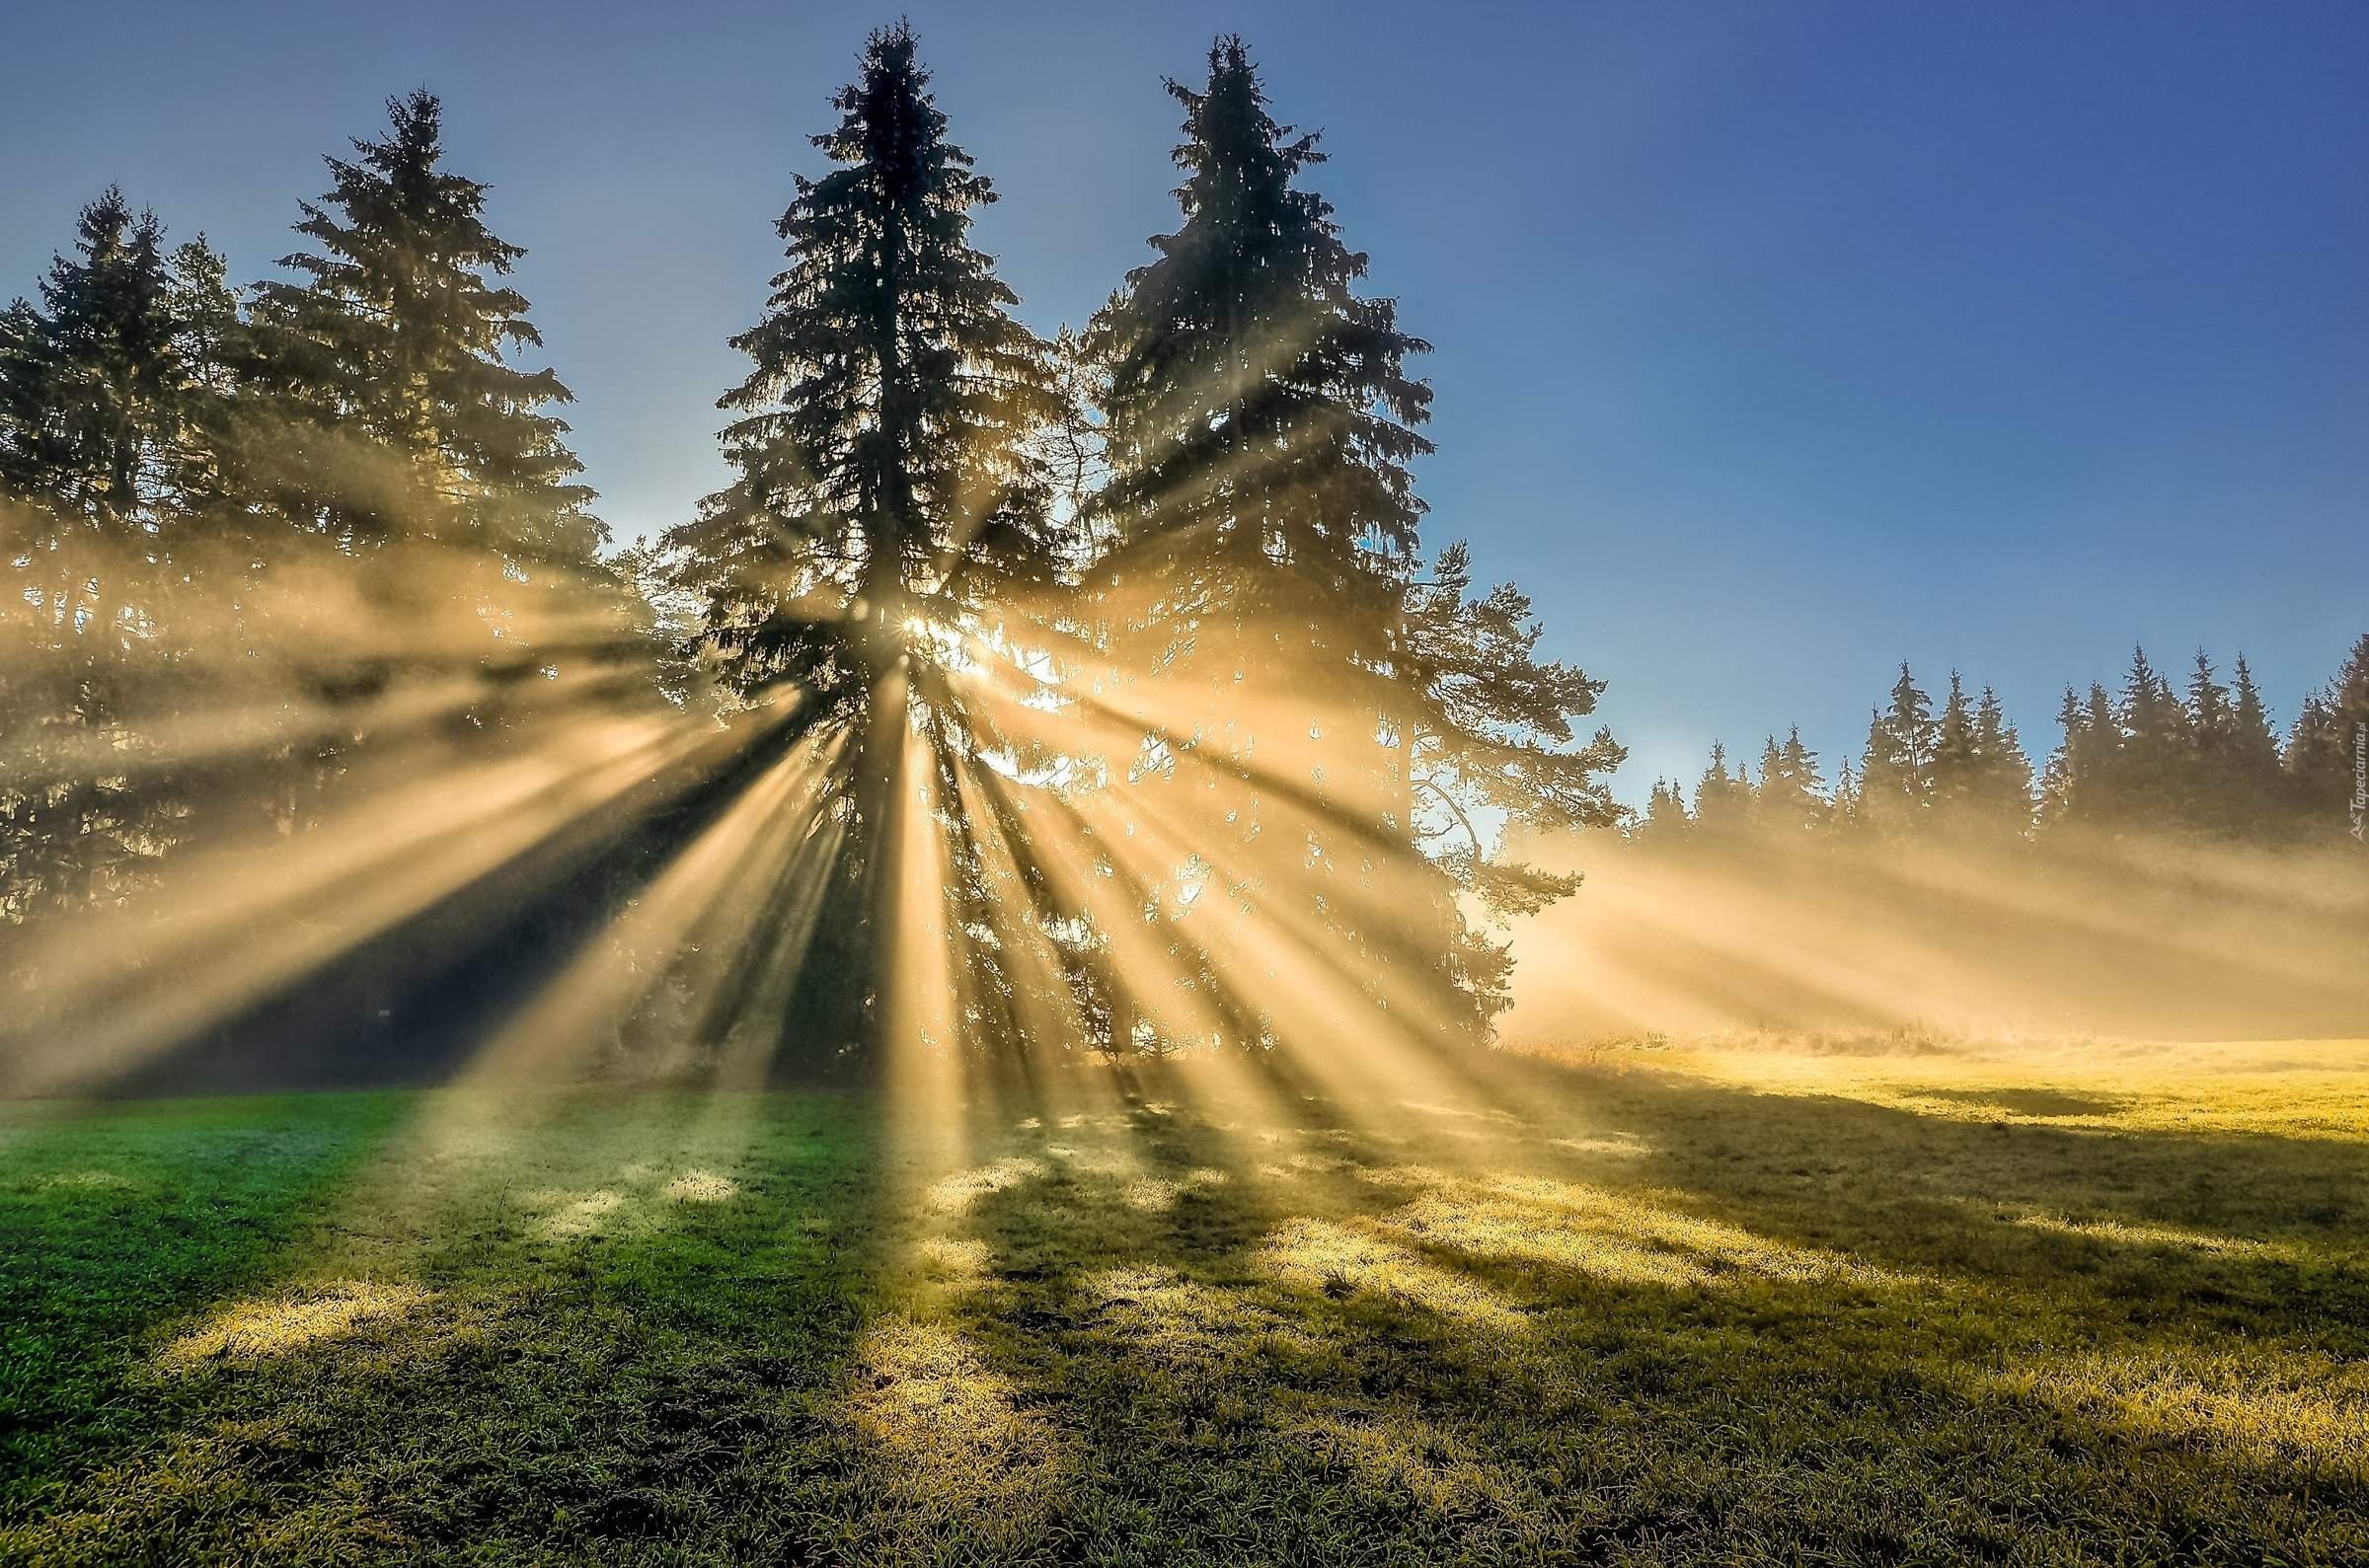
(2208, 797)
(888, 516)
(1956, 766)
(1842, 809)
(93, 417)
(1790, 801)
(1896, 772)
(2152, 750)
(2002, 799)
(2257, 788)
(1666, 822)
(398, 423)
(1723, 798)
(2328, 754)
(1260, 420)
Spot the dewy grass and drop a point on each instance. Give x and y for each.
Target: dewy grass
(1714, 1306)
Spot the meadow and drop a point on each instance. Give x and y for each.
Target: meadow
(1736, 1301)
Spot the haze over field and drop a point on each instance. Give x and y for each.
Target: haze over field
(1035, 959)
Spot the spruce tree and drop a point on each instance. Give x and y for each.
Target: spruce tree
(2209, 794)
(398, 423)
(1722, 796)
(1486, 727)
(2257, 799)
(1665, 821)
(889, 516)
(2326, 754)
(2002, 799)
(2153, 747)
(1259, 421)
(94, 412)
(1957, 764)
(1896, 774)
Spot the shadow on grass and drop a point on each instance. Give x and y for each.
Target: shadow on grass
(1569, 1316)
(1683, 1322)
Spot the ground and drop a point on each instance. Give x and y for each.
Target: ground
(2071, 1303)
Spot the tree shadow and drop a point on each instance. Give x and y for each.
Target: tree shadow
(1704, 1305)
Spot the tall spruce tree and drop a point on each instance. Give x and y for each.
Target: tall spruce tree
(1260, 420)
(890, 513)
(398, 423)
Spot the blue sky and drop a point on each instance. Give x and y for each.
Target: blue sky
(1776, 342)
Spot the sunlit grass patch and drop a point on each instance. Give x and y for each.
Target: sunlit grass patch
(1342, 1261)
(578, 1216)
(955, 1193)
(1158, 1193)
(278, 1326)
(84, 1181)
(945, 1420)
(1433, 1467)
(701, 1186)
(2160, 1235)
(2271, 1408)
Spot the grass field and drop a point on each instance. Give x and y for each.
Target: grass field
(2068, 1303)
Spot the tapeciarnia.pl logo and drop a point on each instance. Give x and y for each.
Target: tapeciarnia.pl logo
(2360, 783)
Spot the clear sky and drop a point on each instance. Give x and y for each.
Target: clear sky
(1777, 342)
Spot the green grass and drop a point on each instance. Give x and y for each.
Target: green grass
(1670, 1307)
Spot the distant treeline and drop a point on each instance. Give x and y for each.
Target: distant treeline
(2202, 761)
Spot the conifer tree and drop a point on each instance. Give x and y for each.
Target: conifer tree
(1665, 821)
(1722, 797)
(888, 513)
(398, 421)
(2207, 795)
(2257, 788)
(2002, 799)
(93, 411)
(2153, 746)
(1842, 808)
(2326, 754)
(1896, 772)
(1486, 727)
(1790, 801)
(1259, 421)
(1956, 766)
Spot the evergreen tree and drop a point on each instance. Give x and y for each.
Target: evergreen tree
(397, 421)
(1956, 766)
(1843, 809)
(1790, 801)
(2002, 797)
(2208, 797)
(2255, 787)
(1486, 727)
(1896, 772)
(2326, 752)
(1665, 821)
(1723, 798)
(93, 419)
(889, 514)
(1260, 420)
(2153, 746)
(2080, 782)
